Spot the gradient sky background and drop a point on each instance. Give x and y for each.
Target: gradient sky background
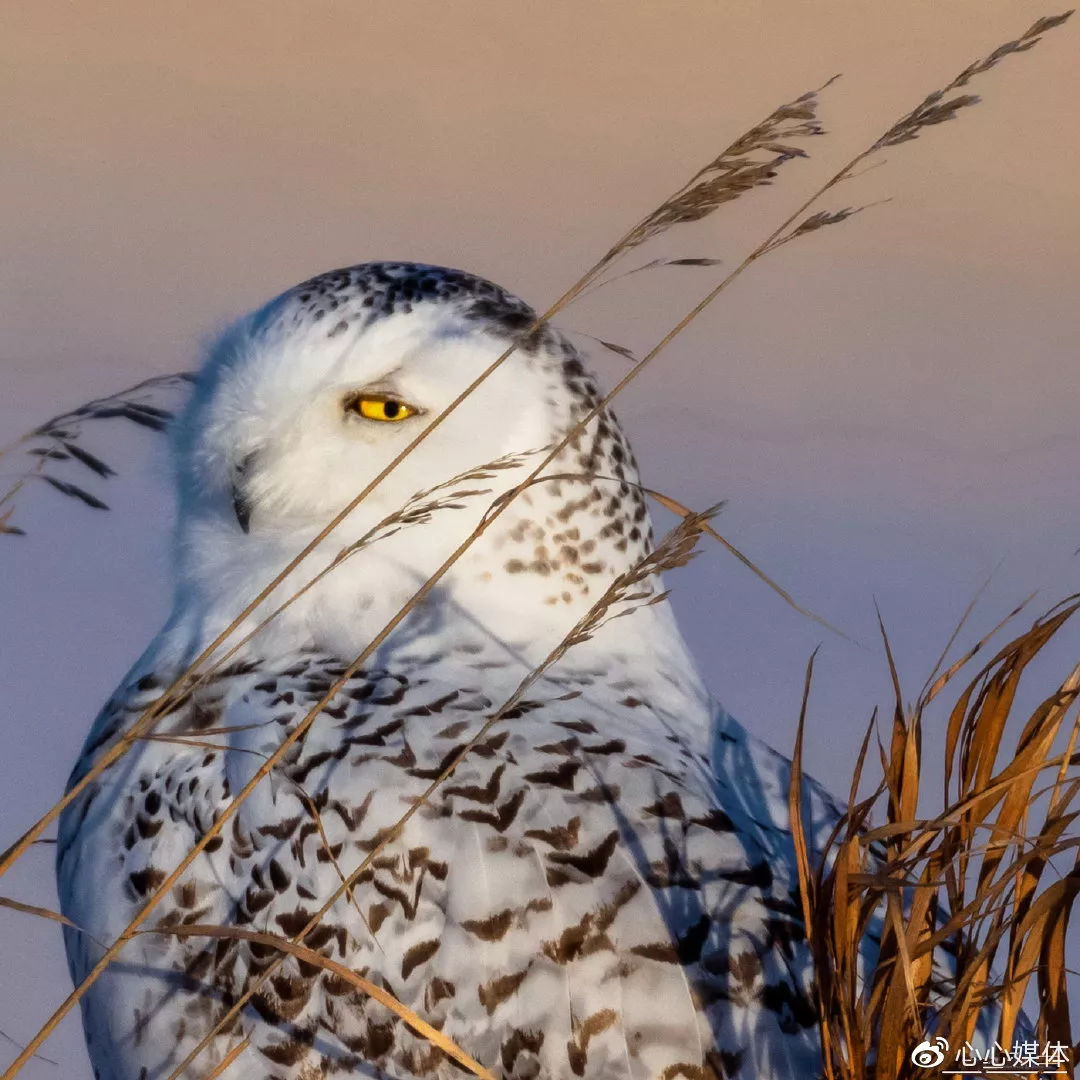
(889, 406)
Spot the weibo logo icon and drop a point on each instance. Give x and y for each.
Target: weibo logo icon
(928, 1054)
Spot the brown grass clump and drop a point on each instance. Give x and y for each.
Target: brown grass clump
(976, 889)
(866, 1017)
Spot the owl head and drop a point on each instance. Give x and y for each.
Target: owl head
(302, 404)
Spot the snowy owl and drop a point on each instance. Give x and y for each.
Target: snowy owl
(605, 885)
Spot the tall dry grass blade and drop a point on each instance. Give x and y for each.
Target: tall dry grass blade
(807, 883)
(896, 1019)
(956, 632)
(33, 909)
(930, 692)
(1059, 798)
(1002, 910)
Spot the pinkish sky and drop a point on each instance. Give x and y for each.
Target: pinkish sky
(888, 406)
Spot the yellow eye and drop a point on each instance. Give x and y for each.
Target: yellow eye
(379, 408)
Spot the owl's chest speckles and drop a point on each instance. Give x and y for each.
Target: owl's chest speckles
(571, 870)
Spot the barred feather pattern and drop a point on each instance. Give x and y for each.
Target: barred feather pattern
(582, 897)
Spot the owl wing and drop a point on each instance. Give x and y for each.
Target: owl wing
(578, 899)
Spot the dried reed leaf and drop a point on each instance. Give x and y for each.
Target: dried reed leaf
(677, 507)
(75, 492)
(931, 691)
(33, 909)
(807, 884)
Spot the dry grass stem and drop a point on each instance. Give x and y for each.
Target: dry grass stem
(677, 507)
(33, 909)
(749, 162)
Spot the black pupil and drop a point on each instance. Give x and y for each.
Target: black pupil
(391, 408)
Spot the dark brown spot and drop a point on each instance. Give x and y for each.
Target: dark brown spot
(282, 830)
(453, 730)
(592, 863)
(256, 899)
(493, 928)
(486, 794)
(577, 1049)
(145, 881)
(608, 793)
(493, 993)
(561, 837)
(504, 815)
(278, 877)
(282, 1053)
(560, 777)
(583, 727)
(667, 806)
(438, 989)
(417, 955)
(432, 707)
(518, 1043)
(564, 748)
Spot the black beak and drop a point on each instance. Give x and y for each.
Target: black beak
(240, 501)
(241, 507)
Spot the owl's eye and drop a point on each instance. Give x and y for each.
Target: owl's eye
(387, 409)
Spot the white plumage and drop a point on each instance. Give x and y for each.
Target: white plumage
(604, 888)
